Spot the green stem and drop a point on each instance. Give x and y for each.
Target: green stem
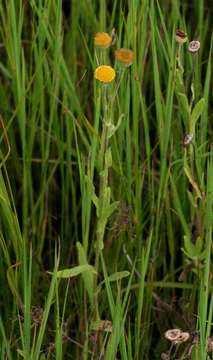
(103, 183)
(179, 63)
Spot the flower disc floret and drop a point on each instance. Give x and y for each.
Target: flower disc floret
(105, 73)
(102, 40)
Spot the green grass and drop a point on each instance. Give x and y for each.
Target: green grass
(105, 215)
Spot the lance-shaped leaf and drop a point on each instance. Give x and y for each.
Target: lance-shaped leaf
(193, 251)
(74, 271)
(197, 111)
(115, 277)
(184, 106)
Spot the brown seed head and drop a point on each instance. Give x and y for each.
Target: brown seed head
(172, 335)
(176, 336)
(181, 36)
(184, 336)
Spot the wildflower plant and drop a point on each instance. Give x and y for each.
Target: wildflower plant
(82, 133)
(105, 75)
(191, 113)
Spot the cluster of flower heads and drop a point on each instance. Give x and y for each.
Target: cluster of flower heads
(102, 40)
(106, 73)
(181, 38)
(176, 336)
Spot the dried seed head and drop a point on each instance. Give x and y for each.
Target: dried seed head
(194, 46)
(181, 36)
(188, 139)
(176, 336)
(172, 335)
(184, 336)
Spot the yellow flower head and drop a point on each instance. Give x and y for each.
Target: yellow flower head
(102, 40)
(125, 56)
(104, 73)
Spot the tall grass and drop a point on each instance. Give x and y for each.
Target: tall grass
(105, 209)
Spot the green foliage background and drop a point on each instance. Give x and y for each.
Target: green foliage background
(155, 271)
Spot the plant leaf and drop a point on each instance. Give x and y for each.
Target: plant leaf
(184, 106)
(115, 277)
(75, 271)
(197, 111)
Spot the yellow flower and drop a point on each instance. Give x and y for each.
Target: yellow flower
(102, 40)
(104, 73)
(125, 56)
